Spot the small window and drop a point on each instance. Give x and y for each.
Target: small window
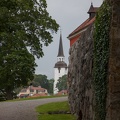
(31, 90)
(59, 69)
(36, 91)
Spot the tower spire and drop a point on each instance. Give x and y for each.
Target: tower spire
(92, 11)
(60, 67)
(60, 50)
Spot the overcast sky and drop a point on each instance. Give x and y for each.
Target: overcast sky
(69, 14)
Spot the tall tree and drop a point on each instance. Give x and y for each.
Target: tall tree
(41, 80)
(16, 69)
(51, 82)
(62, 83)
(23, 23)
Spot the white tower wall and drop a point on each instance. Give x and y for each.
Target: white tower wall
(57, 74)
(60, 68)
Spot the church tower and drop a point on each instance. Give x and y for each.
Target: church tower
(60, 67)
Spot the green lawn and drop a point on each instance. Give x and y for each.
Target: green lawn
(55, 111)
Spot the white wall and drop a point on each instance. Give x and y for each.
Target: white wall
(57, 75)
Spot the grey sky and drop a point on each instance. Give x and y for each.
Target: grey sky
(69, 14)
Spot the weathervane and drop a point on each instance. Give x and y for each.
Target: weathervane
(91, 3)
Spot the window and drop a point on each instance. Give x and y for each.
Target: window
(59, 69)
(36, 91)
(31, 90)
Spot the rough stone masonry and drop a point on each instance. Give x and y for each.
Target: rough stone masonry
(80, 76)
(80, 89)
(113, 96)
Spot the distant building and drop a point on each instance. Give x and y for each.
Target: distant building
(60, 67)
(75, 35)
(62, 92)
(33, 91)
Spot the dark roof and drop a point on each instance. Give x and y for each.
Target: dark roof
(92, 9)
(60, 50)
(60, 64)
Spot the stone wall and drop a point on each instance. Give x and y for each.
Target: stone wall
(80, 72)
(113, 99)
(80, 76)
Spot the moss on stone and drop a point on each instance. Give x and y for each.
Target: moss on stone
(101, 57)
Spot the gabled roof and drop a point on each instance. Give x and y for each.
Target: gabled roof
(92, 9)
(82, 26)
(37, 88)
(60, 50)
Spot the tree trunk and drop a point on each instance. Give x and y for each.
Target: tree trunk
(9, 94)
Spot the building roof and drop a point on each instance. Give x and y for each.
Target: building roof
(82, 26)
(36, 88)
(62, 92)
(92, 9)
(60, 64)
(60, 50)
(86, 23)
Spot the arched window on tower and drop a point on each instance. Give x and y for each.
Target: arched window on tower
(59, 70)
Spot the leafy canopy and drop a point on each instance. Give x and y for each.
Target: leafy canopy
(41, 80)
(23, 24)
(62, 83)
(26, 22)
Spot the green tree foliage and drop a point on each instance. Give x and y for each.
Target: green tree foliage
(26, 23)
(62, 83)
(51, 82)
(17, 67)
(101, 58)
(23, 24)
(41, 80)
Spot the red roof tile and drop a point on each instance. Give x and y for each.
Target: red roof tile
(37, 88)
(82, 26)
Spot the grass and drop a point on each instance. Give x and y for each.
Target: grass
(55, 111)
(56, 117)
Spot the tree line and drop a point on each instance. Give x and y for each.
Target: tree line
(40, 80)
(44, 82)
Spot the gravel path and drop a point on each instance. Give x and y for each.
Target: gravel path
(23, 110)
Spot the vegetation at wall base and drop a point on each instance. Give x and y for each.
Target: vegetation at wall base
(55, 111)
(101, 57)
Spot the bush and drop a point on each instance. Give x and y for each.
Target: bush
(2, 96)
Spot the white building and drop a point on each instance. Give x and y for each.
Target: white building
(60, 67)
(33, 91)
